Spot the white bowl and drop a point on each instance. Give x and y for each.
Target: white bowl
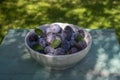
(60, 61)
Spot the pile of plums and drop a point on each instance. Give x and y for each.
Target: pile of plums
(57, 41)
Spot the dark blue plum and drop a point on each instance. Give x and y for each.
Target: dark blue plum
(63, 35)
(82, 45)
(42, 42)
(81, 32)
(73, 50)
(68, 31)
(50, 37)
(73, 42)
(55, 28)
(65, 45)
(33, 37)
(48, 30)
(59, 51)
(49, 50)
(73, 36)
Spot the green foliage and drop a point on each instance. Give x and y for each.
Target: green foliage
(79, 38)
(55, 43)
(38, 31)
(37, 47)
(86, 13)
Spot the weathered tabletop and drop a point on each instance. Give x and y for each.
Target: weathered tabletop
(101, 63)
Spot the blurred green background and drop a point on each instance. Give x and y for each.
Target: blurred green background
(16, 14)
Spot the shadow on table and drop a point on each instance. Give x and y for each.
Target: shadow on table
(101, 62)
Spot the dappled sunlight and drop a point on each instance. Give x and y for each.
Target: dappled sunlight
(116, 48)
(105, 67)
(8, 41)
(114, 64)
(87, 14)
(41, 74)
(101, 60)
(76, 11)
(108, 58)
(26, 56)
(100, 63)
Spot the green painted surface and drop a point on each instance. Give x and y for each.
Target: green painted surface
(101, 63)
(20, 14)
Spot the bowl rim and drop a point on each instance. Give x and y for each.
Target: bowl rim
(68, 55)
